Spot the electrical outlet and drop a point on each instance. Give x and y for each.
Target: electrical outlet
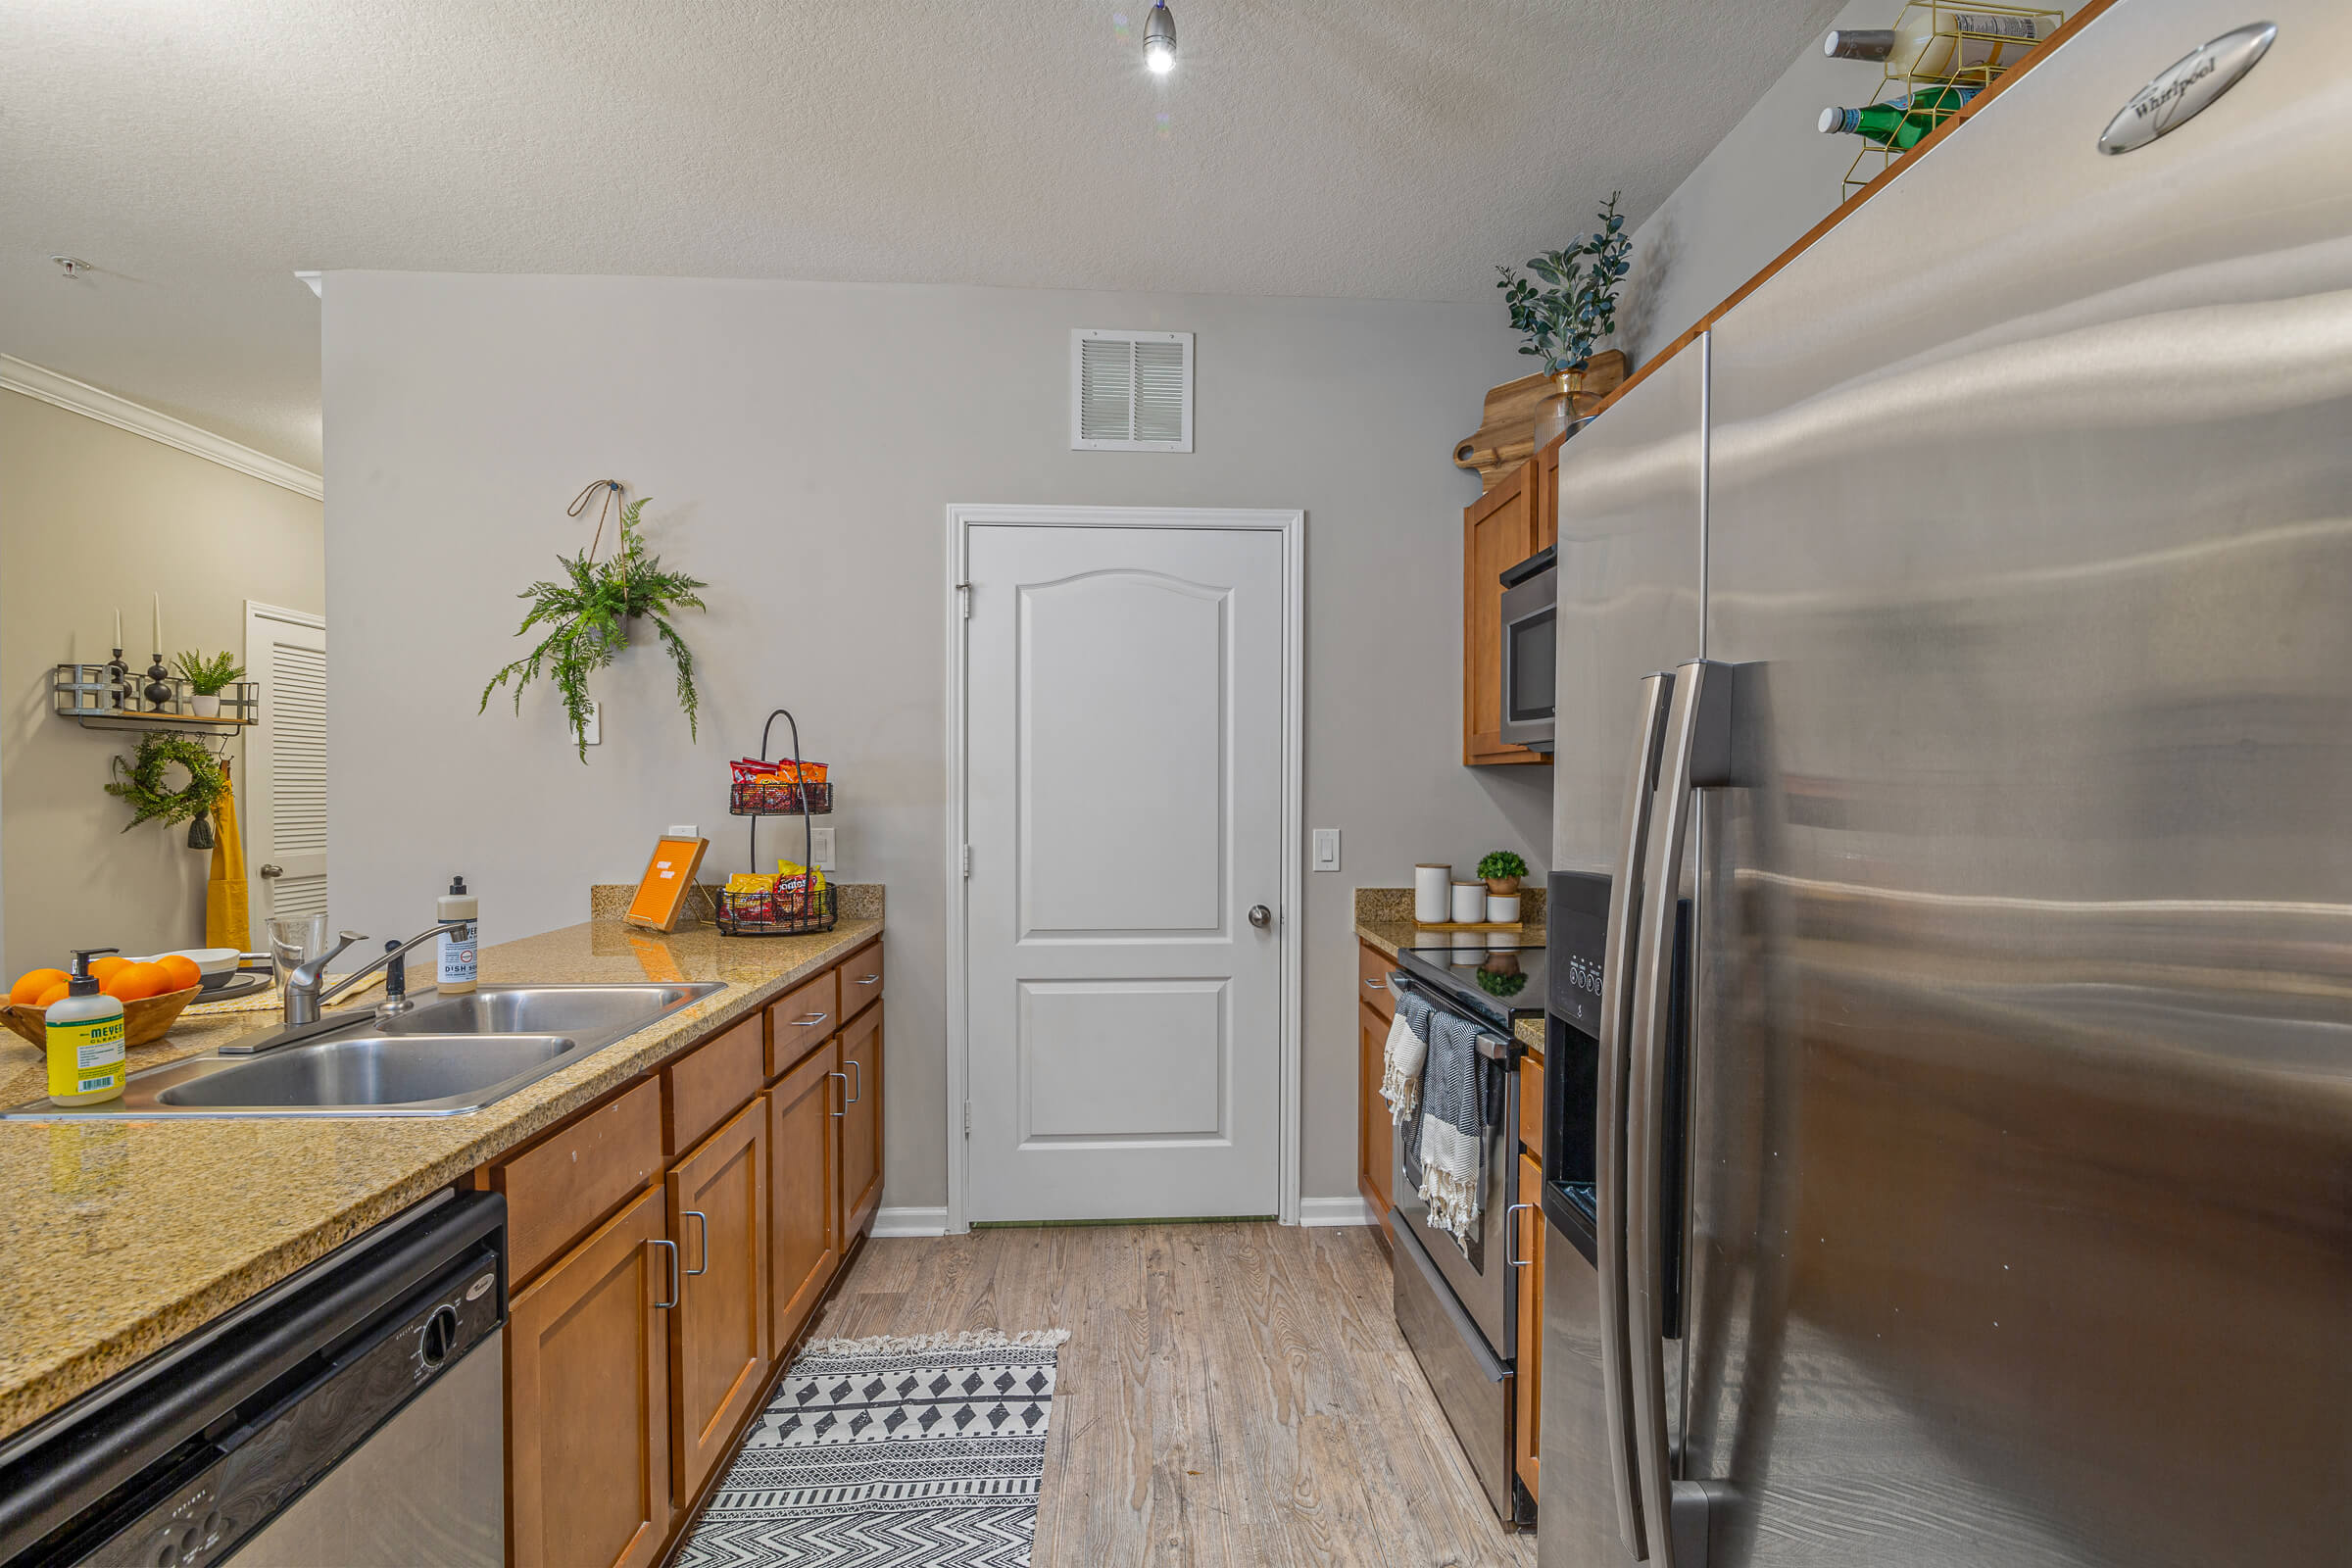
(596, 722)
(1327, 849)
(683, 830)
(820, 847)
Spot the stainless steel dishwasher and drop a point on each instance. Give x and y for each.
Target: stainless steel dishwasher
(349, 1415)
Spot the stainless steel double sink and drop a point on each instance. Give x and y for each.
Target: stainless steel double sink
(444, 1056)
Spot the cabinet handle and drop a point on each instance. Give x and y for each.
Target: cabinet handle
(674, 1282)
(1510, 1237)
(871, 980)
(692, 1213)
(811, 1021)
(845, 1094)
(1375, 984)
(860, 1091)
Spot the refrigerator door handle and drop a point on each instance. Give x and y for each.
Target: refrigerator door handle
(1696, 753)
(1616, 1015)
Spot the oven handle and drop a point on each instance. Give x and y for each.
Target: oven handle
(1616, 1033)
(1697, 749)
(1492, 1045)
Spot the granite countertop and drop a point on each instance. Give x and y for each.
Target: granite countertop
(119, 1237)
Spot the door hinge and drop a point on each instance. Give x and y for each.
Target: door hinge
(963, 591)
(967, 1118)
(968, 860)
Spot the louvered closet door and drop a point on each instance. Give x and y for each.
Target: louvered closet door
(285, 792)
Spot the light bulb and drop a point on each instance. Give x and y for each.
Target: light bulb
(1159, 40)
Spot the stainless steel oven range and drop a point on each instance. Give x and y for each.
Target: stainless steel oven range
(1458, 1302)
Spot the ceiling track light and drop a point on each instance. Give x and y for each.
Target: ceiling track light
(1159, 40)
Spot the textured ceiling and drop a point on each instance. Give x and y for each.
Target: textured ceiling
(198, 151)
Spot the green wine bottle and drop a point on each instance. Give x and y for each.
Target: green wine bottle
(1898, 123)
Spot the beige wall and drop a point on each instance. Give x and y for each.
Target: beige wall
(92, 518)
(801, 443)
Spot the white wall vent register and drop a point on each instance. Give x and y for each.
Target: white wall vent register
(1131, 391)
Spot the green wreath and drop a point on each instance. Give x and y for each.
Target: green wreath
(141, 782)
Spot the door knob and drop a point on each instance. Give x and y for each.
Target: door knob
(1260, 916)
(273, 870)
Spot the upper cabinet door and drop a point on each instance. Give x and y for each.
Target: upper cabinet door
(1630, 566)
(1498, 531)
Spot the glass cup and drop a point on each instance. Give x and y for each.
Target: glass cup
(295, 940)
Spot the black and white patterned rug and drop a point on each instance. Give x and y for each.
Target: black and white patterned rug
(891, 1454)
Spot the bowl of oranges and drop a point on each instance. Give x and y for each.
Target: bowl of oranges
(152, 991)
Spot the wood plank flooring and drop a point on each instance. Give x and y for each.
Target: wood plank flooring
(1232, 1395)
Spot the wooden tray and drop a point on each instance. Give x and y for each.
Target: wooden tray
(144, 1021)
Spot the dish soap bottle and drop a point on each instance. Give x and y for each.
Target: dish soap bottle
(460, 943)
(84, 1039)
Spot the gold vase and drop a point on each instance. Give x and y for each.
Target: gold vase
(1553, 413)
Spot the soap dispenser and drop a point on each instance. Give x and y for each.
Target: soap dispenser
(459, 912)
(84, 1039)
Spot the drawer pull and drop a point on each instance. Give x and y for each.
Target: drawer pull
(811, 1021)
(1375, 984)
(871, 980)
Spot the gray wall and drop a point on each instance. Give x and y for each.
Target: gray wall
(1772, 179)
(94, 519)
(799, 443)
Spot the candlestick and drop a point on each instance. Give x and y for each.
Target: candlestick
(118, 628)
(158, 626)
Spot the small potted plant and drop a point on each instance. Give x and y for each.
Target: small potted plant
(1502, 871)
(209, 677)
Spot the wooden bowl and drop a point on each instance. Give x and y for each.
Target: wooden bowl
(144, 1021)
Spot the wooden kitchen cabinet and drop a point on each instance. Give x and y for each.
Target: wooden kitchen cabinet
(1374, 1136)
(1528, 1396)
(719, 1342)
(588, 1426)
(1501, 528)
(862, 1120)
(805, 1113)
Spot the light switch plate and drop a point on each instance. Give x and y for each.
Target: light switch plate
(820, 847)
(596, 722)
(683, 830)
(1327, 849)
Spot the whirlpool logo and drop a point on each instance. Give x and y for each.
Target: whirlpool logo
(2179, 95)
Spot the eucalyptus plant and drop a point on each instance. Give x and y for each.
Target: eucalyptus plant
(588, 615)
(1564, 322)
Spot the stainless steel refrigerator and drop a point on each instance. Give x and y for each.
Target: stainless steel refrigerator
(1959, 639)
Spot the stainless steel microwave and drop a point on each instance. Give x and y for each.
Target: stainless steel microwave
(1529, 650)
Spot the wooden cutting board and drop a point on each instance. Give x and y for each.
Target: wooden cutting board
(1507, 437)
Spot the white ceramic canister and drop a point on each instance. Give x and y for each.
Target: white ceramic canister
(1469, 902)
(1430, 884)
(1502, 908)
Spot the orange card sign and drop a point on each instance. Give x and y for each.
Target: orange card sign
(662, 894)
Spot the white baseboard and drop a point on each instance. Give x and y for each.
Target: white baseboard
(911, 1222)
(1348, 1210)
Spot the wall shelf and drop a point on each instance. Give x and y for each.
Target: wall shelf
(103, 697)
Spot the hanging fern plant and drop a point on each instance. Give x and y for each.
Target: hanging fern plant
(588, 615)
(145, 783)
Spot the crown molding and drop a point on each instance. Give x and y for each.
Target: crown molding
(35, 381)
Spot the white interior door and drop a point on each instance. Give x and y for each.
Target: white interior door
(284, 789)
(1124, 787)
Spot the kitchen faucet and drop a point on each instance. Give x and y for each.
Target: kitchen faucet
(304, 998)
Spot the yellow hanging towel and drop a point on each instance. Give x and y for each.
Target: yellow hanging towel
(226, 923)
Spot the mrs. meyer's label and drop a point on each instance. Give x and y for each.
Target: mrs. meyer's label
(459, 945)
